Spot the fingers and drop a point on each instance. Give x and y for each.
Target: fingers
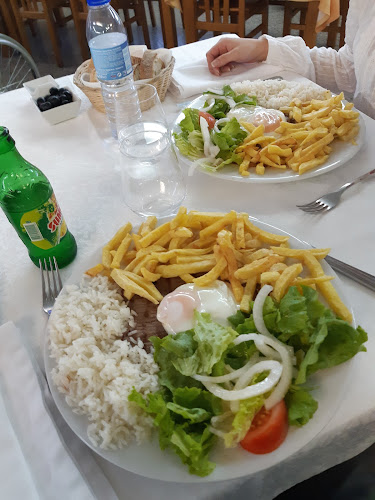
(227, 68)
(222, 48)
(224, 60)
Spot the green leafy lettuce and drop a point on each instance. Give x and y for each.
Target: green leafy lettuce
(242, 420)
(301, 405)
(190, 141)
(212, 340)
(183, 408)
(320, 340)
(182, 426)
(221, 107)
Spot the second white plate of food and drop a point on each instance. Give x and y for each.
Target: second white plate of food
(342, 152)
(149, 461)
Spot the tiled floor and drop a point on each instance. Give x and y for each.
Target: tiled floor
(353, 480)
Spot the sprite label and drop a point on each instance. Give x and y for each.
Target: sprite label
(44, 226)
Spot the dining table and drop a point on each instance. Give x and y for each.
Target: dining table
(80, 158)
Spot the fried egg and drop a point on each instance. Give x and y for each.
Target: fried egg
(176, 310)
(257, 115)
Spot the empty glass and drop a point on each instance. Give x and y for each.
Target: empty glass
(153, 183)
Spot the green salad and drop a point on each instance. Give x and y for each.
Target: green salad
(214, 148)
(207, 373)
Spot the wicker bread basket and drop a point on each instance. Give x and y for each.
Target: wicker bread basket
(84, 77)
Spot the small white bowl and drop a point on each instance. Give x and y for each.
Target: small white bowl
(40, 87)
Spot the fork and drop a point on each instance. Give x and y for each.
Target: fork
(51, 283)
(330, 200)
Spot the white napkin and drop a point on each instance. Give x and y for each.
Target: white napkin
(35, 461)
(191, 75)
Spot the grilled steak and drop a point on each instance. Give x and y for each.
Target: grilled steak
(146, 323)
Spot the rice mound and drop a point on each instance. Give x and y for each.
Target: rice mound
(95, 369)
(277, 93)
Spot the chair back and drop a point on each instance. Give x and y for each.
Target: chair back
(218, 16)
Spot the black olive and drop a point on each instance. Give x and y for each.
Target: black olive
(45, 105)
(54, 100)
(62, 90)
(68, 95)
(40, 100)
(53, 91)
(64, 101)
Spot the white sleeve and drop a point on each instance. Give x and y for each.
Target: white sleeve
(325, 66)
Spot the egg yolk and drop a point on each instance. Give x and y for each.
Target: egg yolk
(176, 311)
(270, 119)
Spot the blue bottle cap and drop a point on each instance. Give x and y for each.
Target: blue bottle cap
(96, 3)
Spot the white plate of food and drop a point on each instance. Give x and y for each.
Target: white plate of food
(317, 111)
(96, 370)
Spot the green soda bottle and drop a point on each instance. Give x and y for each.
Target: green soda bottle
(27, 198)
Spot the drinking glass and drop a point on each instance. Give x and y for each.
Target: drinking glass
(152, 180)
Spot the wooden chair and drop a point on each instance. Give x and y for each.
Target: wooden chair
(7, 21)
(168, 25)
(138, 17)
(338, 27)
(152, 13)
(222, 16)
(80, 10)
(308, 10)
(29, 10)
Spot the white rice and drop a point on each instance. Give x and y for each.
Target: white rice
(277, 93)
(95, 369)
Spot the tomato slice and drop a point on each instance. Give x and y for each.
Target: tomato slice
(268, 430)
(209, 118)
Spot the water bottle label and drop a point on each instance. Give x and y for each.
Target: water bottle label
(112, 63)
(44, 226)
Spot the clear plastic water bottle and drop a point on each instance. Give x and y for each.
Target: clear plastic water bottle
(109, 48)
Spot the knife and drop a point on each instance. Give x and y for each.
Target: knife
(361, 277)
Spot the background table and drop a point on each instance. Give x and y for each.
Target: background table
(78, 157)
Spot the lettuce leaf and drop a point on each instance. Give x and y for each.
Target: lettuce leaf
(193, 397)
(193, 449)
(190, 144)
(190, 140)
(191, 442)
(229, 136)
(320, 340)
(182, 410)
(301, 405)
(191, 120)
(243, 419)
(168, 376)
(221, 107)
(212, 340)
(334, 342)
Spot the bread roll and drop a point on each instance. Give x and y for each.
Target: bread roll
(151, 65)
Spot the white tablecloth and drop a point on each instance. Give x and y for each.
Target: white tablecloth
(77, 157)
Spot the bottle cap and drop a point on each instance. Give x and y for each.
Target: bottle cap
(96, 3)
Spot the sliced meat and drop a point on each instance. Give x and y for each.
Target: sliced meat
(146, 323)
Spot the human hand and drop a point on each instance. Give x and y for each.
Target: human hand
(228, 51)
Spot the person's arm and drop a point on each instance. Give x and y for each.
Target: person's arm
(327, 67)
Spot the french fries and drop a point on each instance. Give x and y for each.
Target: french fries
(303, 142)
(202, 247)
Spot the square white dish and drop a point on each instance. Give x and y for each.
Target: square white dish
(40, 87)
